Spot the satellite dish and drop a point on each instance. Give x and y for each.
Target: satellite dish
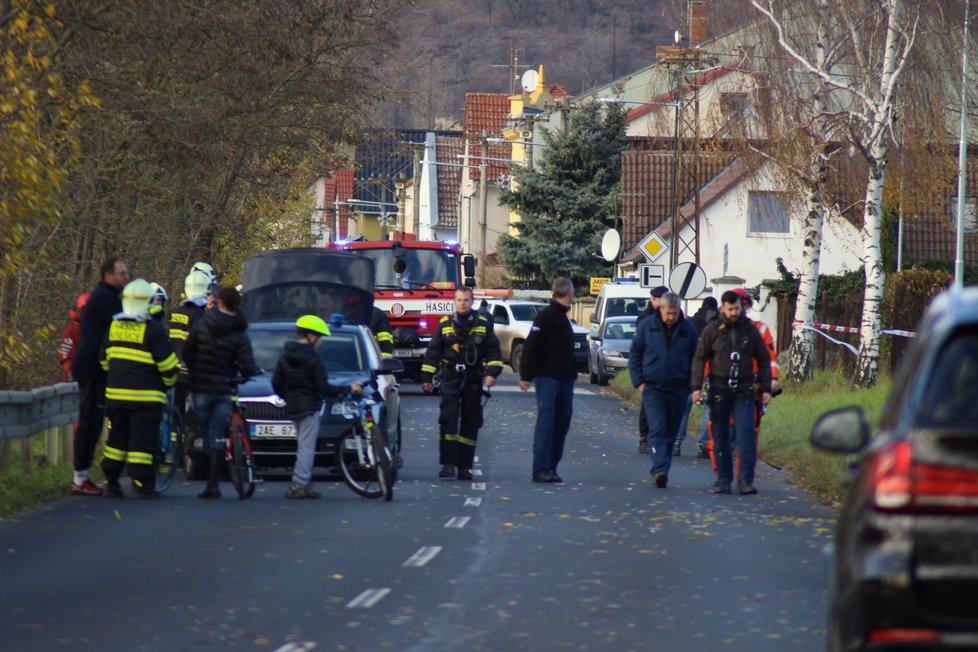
(529, 80)
(610, 245)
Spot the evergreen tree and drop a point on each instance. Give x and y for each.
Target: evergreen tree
(565, 202)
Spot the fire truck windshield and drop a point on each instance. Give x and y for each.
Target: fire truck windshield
(421, 268)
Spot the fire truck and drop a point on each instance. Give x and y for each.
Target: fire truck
(414, 284)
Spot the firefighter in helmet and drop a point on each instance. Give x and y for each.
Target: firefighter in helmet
(140, 363)
(462, 355)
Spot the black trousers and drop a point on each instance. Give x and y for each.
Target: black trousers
(134, 438)
(91, 415)
(459, 420)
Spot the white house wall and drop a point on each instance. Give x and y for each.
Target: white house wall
(753, 257)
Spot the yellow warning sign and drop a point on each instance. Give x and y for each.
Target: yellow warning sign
(596, 283)
(653, 246)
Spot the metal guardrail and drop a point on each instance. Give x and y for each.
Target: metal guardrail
(50, 410)
(26, 413)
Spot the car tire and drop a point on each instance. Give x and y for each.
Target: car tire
(593, 377)
(515, 355)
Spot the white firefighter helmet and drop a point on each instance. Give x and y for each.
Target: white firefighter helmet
(200, 282)
(137, 297)
(159, 293)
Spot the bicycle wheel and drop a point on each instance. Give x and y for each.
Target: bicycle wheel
(385, 465)
(170, 458)
(353, 460)
(240, 463)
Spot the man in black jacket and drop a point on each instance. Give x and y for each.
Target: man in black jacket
(464, 352)
(103, 303)
(734, 350)
(301, 379)
(548, 362)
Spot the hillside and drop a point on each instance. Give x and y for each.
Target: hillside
(451, 47)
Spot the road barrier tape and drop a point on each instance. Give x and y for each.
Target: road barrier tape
(821, 328)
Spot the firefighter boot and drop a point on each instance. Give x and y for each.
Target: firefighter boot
(212, 491)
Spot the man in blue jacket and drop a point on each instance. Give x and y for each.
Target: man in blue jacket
(659, 363)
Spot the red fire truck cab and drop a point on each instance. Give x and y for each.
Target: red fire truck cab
(414, 284)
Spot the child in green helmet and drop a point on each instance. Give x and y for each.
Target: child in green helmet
(301, 379)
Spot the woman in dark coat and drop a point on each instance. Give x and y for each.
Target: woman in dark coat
(217, 353)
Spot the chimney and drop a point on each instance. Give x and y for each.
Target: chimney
(697, 22)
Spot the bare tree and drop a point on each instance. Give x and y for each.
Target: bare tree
(873, 40)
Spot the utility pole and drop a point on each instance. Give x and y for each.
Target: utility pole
(484, 200)
(416, 198)
(962, 155)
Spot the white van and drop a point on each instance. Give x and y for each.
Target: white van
(619, 298)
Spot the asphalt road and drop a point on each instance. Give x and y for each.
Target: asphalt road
(601, 562)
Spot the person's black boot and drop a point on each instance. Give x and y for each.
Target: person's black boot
(212, 491)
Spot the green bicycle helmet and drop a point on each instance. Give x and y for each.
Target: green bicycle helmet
(312, 323)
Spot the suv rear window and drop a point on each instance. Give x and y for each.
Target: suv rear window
(951, 396)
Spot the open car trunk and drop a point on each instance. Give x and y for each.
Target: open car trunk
(284, 284)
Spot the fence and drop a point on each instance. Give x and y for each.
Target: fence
(846, 312)
(23, 414)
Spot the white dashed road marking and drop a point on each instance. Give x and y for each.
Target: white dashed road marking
(457, 522)
(365, 600)
(422, 556)
(477, 473)
(297, 647)
(473, 502)
(479, 486)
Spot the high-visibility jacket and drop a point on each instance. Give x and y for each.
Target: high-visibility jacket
(468, 341)
(381, 328)
(140, 362)
(181, 319)
(768, 338)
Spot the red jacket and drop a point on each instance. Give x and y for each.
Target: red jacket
(69, 344)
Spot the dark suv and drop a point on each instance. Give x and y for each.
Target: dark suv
(905, 573)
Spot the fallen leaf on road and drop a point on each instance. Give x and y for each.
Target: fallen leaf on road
(118, 515)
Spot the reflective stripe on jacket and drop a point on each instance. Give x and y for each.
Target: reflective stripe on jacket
(139, 360)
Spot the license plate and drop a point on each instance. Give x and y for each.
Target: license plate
(403, 353)
(272, 430)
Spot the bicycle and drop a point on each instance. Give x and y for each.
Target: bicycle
(238, 454)
(363, 457)
(169, 458)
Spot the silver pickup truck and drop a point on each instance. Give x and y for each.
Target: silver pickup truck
(512, 320)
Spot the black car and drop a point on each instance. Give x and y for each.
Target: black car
(351, 355)
(905, 556)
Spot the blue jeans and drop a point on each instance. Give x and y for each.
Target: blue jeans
(681, 433)
(213, 413)
(665, 410)
(742, 408)
(555, 400)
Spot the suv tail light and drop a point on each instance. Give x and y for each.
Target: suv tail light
(894, 482)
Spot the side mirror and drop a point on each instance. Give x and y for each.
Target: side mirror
(593, 334)
(593, 317)
(469, 282)
(845, 430)
(468, 265)
(391, 366)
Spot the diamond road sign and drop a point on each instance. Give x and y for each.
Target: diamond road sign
(653, 246)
